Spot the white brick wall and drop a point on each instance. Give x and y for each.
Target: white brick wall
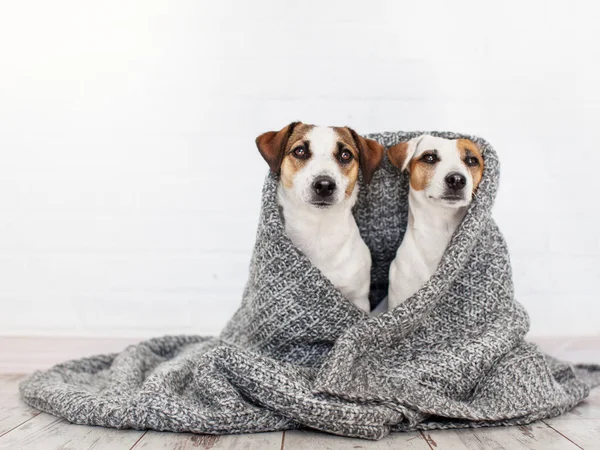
(129, 182)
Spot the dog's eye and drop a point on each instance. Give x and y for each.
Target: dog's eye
(300, 152)
(346, 156)
(471, 161)
(429, 158)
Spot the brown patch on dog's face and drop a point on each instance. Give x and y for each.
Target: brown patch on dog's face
(299, 134)
(420, 173)
(291, 164)
(469, 150)
(289, 167)
(275, 147)
(367, 152)
(349, 169)
(352, 174)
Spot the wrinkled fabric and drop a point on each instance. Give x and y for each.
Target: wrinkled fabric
(297, 354)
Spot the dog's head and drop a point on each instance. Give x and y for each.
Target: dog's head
(443, 171)
(319, 165)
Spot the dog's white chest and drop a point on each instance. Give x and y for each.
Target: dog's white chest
(331, 240)
(339, 252)
(418, 256)
(410, 270)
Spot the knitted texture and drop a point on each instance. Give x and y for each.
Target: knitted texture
(297, 354)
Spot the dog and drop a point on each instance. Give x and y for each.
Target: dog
(318, 168)
(444, 176)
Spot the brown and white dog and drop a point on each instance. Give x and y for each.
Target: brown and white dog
(319, 169)
(444, 175)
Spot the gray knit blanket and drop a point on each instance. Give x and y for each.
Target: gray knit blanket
(297, 354)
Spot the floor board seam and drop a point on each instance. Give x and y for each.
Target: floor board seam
(567, 438)
(282, 440)
(425, 439)
(139, 439)
(22, 423)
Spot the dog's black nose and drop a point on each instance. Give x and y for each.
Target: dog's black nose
(324, 186)
(456, 181)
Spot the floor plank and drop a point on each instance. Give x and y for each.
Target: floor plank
(13, 412)
(321, 441)
(537, 436)
(46, 432)
(154, 440)
(583, 432)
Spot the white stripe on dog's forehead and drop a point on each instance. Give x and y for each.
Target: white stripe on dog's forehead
(322, 140)
(436, 143)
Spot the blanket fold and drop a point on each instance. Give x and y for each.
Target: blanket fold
(297, 354)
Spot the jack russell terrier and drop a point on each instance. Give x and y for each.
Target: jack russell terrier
(444, 175)
(317, 189)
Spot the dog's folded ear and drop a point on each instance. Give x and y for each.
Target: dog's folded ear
(272, 144)
(370, 154)
(401, 154)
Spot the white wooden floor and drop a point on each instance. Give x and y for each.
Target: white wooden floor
(22, 427)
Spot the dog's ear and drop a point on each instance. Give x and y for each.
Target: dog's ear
(370, 154)
(271, 145)
(401, 154)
